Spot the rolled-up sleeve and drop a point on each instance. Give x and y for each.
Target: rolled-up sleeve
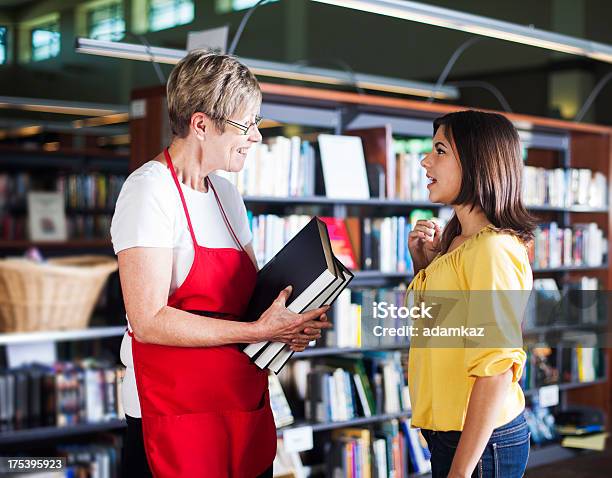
(499, 279)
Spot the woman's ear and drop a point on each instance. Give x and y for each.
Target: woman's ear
(199, 125)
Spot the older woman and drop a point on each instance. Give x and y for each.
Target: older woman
(187, 272)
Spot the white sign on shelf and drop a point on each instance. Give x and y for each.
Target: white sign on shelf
(298, 439)
(25, 353)
(138, 109)
(549, 396)
(214, 39)
(47, 216)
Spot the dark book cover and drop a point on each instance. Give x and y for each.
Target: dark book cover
(21, 398)
(299, 263)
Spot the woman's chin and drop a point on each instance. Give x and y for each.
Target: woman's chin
(236, 165)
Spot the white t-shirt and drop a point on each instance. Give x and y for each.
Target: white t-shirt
(149, 213)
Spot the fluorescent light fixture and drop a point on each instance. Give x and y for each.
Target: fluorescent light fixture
(22, 127)
(61, 107)
(334, 77)
(117, 140)
(102, 120)
(479, 25)
(271, 69)
(21, 132)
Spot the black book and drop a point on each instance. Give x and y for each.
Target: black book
(35, 379)
(285, 353)
(21, 398)
(306, 263)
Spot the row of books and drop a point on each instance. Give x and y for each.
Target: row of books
(359, 243)
(81, 191)
(353, 318)
(292, 166)
(393, 449)
(564, 187)
(14, 189)
(90, 191)
(572, 363)
(385, 167)
(100, 458)
(79, 226)
(61, 395)
(411, 179)
(388, 449)
(279, 167)
(343, 388)
(577, 302)
(84, 226)
(579, 245)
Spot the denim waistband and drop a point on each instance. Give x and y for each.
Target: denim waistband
(515, 424)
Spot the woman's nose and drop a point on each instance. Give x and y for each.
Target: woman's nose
(255, 135)
(425, 161)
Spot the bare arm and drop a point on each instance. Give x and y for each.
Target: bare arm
(486, 399)
(145, 281)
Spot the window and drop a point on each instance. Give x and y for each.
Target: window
(45, 41)
(224, 6)
(106, 22)
(169, 13)
(3, 35)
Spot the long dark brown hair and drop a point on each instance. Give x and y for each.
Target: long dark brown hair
(489, 150)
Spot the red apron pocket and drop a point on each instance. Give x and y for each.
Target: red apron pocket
(232, 444)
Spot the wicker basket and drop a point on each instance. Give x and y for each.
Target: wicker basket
(58, 295)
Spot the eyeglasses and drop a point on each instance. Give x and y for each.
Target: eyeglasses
(245, 128)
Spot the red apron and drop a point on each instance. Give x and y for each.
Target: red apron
(206, 410)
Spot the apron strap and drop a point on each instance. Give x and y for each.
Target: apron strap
(225, 218)
(176, 181)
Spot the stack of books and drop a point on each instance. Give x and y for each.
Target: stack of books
(306, 263)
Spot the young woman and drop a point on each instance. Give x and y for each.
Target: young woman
(467, 401)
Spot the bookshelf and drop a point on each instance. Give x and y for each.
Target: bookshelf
(552, 143)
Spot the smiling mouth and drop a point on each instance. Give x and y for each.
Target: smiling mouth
(431, 179)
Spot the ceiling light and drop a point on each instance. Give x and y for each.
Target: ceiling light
(60, 107)
(479, 25)
(271, 69)
(102, 120)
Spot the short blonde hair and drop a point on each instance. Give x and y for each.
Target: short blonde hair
(217, 85)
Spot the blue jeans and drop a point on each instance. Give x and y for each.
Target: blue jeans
(505, 455)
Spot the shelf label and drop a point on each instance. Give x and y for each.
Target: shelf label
(549, 396)
(298, 439)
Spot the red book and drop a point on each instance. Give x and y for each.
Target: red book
(340, 241)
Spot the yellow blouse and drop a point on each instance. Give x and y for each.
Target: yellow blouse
(441, 379)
